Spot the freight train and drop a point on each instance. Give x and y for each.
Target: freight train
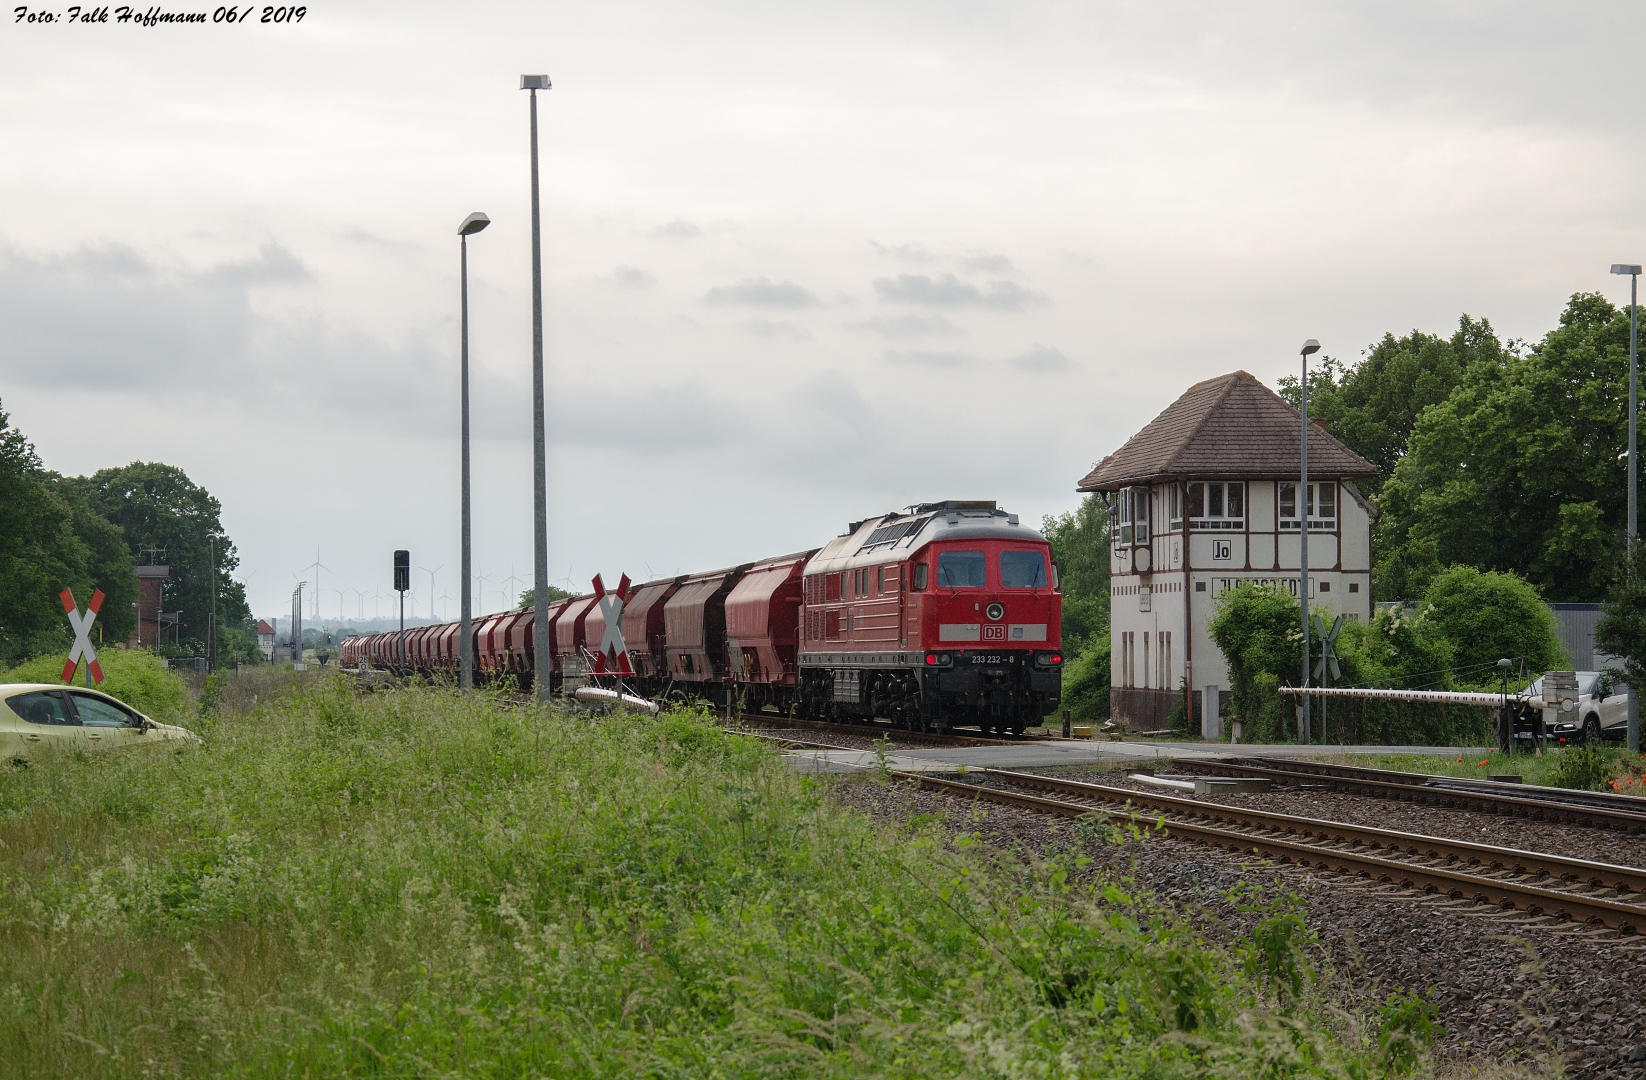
(942, 615)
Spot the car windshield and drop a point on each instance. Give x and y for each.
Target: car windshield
(960, 570)
(1022, 570)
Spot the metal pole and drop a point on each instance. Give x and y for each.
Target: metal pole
(1633, 730)
(465, 632)
(540, 550)
(211, 623)
(1303, 552)
(402, 630)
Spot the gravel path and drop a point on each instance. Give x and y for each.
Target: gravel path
(1505, 988)
(1568, 840)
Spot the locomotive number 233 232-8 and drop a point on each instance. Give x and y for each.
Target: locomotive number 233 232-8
(987, 658)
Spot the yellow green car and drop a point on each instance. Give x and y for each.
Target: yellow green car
(34, 716)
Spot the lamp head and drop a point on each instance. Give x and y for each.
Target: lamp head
(1626, 269)
(1505, 663)
(535, 82)
(473, 224)
(1311, 346)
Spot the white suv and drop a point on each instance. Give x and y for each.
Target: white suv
(1602, 709)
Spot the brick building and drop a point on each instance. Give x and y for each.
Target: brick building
(1202, 498)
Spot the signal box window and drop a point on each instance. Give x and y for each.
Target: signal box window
(1214, 504)
(1321, 506)
(960, 570)
(1022, 570)
(1174, 507)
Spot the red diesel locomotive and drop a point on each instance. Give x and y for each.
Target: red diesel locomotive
(944, 615)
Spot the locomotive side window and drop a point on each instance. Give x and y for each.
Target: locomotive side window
(960, 570)
(1022, 570)
(920, 572)
(831, 586)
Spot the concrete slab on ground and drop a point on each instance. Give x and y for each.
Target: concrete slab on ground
(1052, 753)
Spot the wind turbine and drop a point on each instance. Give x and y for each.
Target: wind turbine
(481, 591)
(514, 587)
(317, 566)
(431, 574)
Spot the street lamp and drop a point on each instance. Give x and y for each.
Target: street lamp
(540, 480)
(1303, 724)
(465, 671)
(1633, 270)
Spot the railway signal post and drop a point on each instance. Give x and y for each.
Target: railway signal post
(402, 582)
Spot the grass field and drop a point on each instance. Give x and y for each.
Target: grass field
(1611, 768)
(409, 883)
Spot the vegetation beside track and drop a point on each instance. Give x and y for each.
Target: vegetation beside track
(1607, 767)
(412, 883)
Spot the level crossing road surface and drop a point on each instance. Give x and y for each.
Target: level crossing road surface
(1050, 753)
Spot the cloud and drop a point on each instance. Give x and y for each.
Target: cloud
(911, 253)
(781, 328)
(679, 229)
(982, 262)
(1041, 360)
(905, 325)
(632, 277)
(945, 361)
(762, 292)
(948, 291)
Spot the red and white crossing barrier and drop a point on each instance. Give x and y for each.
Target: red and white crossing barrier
(1436, 697)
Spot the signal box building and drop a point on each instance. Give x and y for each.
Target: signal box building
(1206, 497)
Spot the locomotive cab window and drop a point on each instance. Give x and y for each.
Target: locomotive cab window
(960, 570)
(920, 572)
(1022, 570)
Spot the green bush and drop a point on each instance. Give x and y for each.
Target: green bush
(416, 883)
(135, 676)
(1086, 680)
(1487, 615)
(1257, 628)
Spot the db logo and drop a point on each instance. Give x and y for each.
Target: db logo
(994, 633)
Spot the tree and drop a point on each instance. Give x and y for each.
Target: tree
(1489, 615)
(1080, 547)
(1520, 468)
(1373, 406)
(529, 597)
(1621, 630)
(157, 506)
(50, 541)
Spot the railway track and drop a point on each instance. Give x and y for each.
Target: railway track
(879, 729)
(1591, 810)
(1589, 894)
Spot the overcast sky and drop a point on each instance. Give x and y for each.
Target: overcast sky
(803, 263)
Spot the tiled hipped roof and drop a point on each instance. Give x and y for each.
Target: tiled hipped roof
(1230, 427)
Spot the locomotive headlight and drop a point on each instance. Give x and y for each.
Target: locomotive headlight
(995, 611)
(1048, 659)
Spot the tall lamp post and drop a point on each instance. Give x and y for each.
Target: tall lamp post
(1633, 270)
(465, 634)
(1303, 720)
(540, 549)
